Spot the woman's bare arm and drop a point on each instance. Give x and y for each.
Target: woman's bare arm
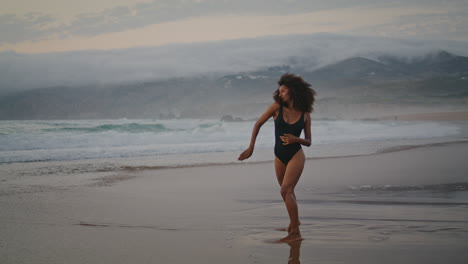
(272, 109)
(307, 141)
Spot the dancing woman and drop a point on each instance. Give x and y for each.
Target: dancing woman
(293, 103)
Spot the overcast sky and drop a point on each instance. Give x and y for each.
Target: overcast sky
(38, 26)
(93, 42)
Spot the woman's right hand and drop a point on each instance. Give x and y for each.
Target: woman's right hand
(246, 154)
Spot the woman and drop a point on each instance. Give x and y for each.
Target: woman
(291, 111)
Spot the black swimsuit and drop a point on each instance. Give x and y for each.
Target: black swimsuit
(286, 152)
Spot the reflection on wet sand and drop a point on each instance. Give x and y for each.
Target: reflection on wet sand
(294, 252)
(294, 249)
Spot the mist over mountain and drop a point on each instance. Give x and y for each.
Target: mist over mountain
(436, 63)
(355, 87)
(211, 59)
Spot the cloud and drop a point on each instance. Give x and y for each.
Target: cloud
(36, 26)
(435, 25)
(183, 21)
(20, 28)
(39, 26)
(28, 71)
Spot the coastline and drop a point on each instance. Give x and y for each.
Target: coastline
(70, 168)
(353, 210)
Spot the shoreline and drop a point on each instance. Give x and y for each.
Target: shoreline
(236, 162)
(383, 151)
(75, 173)
(72, 170)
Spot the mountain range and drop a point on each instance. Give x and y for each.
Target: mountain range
(434, 80)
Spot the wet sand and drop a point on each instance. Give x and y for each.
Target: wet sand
(407, 206)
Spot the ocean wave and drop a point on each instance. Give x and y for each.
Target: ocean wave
(28, 141)
(127, 128)
(134, 128)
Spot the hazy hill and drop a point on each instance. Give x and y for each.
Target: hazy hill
(348, 88)
(434, 64)
(356, 71)
(361, 71)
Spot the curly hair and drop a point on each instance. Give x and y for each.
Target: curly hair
(301, 92)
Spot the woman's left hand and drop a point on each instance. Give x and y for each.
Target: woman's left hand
(246, 154)
(288, 139)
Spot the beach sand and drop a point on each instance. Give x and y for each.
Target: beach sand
(407, 206)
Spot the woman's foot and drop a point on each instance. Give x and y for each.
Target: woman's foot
(286, 229)
(293, 236)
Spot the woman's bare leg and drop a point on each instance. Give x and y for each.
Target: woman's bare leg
(291, 177)
(280, 170)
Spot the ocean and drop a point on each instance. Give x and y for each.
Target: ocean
(181, 142)
(39, 147)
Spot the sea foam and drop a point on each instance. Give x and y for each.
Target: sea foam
(27, 141)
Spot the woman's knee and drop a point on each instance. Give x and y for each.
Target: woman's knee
(287, 190)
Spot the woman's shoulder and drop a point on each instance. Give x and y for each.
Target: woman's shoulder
(275, 106)
(273, 109)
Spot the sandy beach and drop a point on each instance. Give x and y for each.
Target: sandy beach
(407, 206)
